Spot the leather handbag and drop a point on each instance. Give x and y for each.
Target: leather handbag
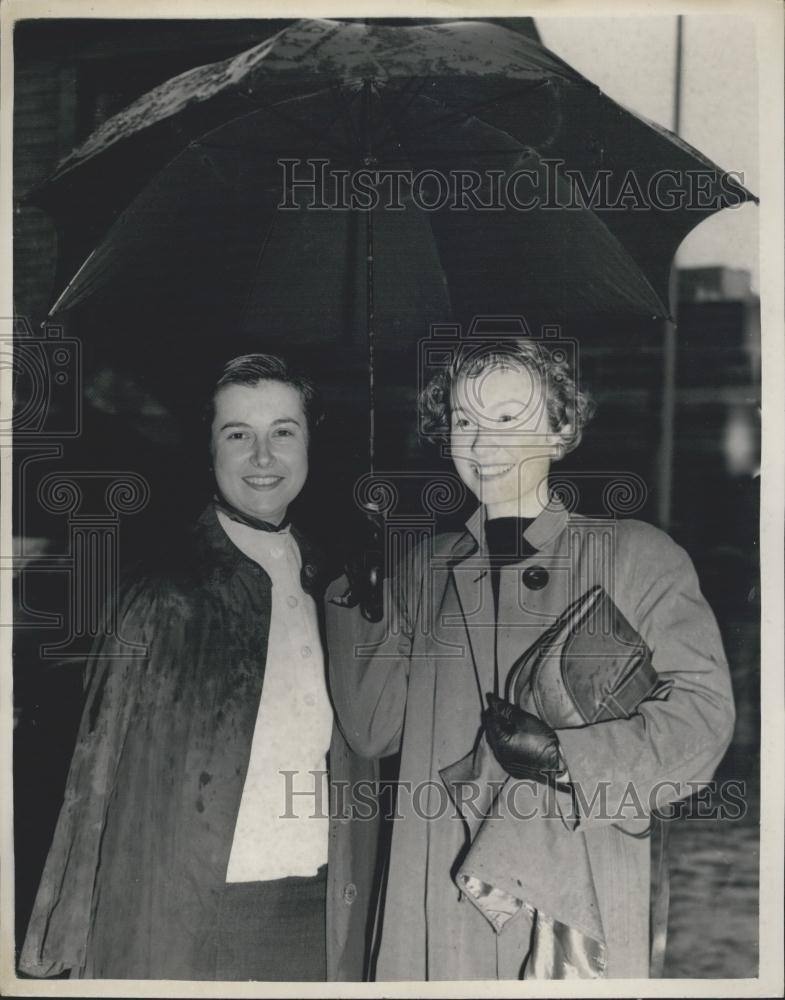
(591, 665)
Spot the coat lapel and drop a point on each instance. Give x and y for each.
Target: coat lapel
(526, 612)
(471, 601)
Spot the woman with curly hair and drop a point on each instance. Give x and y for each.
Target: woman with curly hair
(519, 846)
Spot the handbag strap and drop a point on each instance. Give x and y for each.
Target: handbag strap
(641, 684)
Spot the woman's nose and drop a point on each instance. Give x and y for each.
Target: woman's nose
(261, 453)
(482, 440)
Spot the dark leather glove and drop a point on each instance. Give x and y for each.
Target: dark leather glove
(525, 746)
(365, 568)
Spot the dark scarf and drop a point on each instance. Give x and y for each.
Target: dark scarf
(505, 541)
(252, 522)
(506, 545)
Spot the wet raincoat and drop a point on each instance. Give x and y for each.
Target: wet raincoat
(138, 863)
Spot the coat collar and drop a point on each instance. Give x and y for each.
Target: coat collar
(546, 527)
(225, 558)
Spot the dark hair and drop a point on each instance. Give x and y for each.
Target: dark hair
(565, 403)
(250, 369)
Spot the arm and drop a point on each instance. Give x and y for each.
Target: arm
(669, 742)
(369, 665)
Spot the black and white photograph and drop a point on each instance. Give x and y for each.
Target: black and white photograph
(392, 507)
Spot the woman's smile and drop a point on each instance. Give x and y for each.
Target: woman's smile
(262, 482)
(486, 472)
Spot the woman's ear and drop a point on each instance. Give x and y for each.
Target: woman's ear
(559, 440)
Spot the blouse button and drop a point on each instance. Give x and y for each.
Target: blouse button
(349, 893)
(305, 652)
(310, 699)
(535, 577)
(292, 601)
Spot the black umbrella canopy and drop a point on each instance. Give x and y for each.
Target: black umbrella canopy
(257, 210)
(189, 181)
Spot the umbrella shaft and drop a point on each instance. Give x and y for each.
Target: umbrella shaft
(369, 282)
(370, 319)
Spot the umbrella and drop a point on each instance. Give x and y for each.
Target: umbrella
(224, 194)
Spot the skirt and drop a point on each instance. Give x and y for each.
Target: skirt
(273, 931)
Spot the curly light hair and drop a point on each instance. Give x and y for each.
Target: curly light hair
(565, 403)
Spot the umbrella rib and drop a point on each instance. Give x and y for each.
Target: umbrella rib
(309, 133)
(64, 294)
(411, 159)
(398, 136)
(344, 114)
(415, 84)
(273, 110)
(445, 154)
(454, 117)
(246, 310)
(344, 111)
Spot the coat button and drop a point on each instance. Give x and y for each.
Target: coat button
(349, 893)
(535, 577)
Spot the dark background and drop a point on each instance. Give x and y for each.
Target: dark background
(69, 77)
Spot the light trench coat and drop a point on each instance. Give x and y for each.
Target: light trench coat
(416, 683)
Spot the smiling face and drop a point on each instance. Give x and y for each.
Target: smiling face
(260, 447)
(501, 439)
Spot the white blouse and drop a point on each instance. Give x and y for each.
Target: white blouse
(282, 823)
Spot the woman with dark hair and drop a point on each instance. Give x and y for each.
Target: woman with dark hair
(196, 839)
(520, 848)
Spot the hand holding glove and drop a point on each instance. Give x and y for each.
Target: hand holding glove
(525, 746)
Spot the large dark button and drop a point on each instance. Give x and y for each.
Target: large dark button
(535, 577)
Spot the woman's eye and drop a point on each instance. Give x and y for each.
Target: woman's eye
(511, 418)
(237, 435)
(284, 432)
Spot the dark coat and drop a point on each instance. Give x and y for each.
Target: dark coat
(139, 858)
(416, 683)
